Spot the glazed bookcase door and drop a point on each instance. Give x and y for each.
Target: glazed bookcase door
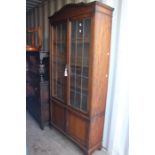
(79, 58)
(59, 61)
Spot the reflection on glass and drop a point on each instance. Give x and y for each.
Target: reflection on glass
(59, 61)
(80, 44)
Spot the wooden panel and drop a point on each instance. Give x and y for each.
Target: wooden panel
(44, 100)
(72, 10)
(51, 39)
(58, 115)
(104, 10)
(44, 92)
(96, 129)
(100, 61)
(46, 112)
(77, 127)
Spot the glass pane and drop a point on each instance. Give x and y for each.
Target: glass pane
(36, 39)
(59, 61)
(80, 44)
(28, 38)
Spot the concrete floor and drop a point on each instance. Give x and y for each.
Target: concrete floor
(49, 141)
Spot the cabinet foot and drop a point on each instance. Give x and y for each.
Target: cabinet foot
(100, 147)
(88, 153)
(42, 126)
(50, 126)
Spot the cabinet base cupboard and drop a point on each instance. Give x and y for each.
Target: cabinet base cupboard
(79, 57)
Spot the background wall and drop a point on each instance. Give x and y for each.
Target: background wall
(39, 17)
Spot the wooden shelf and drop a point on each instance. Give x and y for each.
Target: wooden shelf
(30, 48)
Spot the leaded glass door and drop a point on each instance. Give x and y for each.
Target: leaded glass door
(59, 61)
(79, 53)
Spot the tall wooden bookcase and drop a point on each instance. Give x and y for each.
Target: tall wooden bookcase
(79, 57)
(37, 87)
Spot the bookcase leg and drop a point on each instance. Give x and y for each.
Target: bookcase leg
(42, 126)
(100, 147)
(41, 122)
(88, 153)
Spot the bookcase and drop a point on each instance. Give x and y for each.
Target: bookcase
(37, 87)
(37, 77)
(79, 60)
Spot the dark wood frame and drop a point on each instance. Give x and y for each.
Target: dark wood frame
(33, 47)
(63, 116)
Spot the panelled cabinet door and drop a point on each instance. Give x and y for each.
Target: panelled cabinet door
(79, 58)
(59, 61)
(77, 127)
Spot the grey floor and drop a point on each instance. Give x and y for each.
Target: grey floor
(49, 141)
